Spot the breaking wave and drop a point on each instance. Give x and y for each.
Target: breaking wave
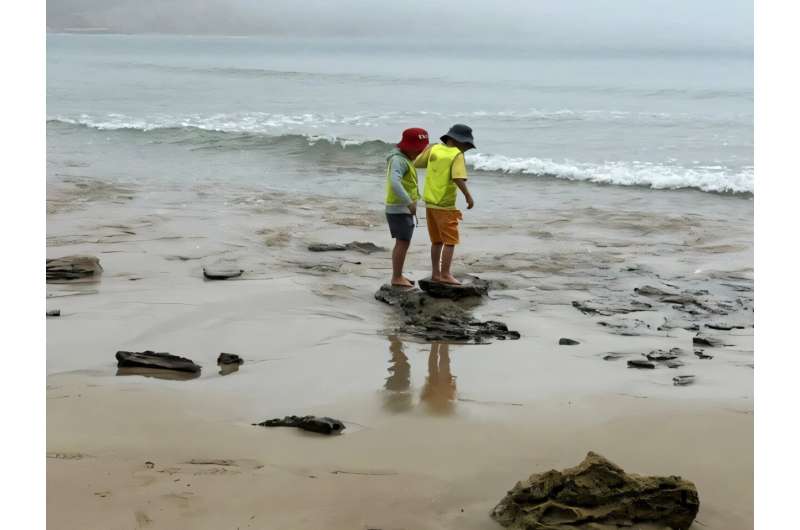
(265, 131)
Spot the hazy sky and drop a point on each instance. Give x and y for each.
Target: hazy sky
(568, 24)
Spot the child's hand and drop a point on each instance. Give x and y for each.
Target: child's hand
(470, 203)
(412, 208)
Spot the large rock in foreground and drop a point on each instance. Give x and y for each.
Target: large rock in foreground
(150, 359)
(72, 268)
(597, 495)
(475, 287)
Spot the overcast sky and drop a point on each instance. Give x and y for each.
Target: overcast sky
(568, 24)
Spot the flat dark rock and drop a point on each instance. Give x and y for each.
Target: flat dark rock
(326, 247)
(682, 380)
(636, 363)
(704, 340)
(365, 247)
(149, 359)
(221, 274)
(649, 290)
(597, 494)
(567, 342)
(441, 319)
(597, 308)
(724, 327)
(322, 425)
(674, 364)
(474, 287)
(664, 355)
(72, 268)
(702, 354)
(626, 327)
(612, 357)
(229, 358)
(54, 313)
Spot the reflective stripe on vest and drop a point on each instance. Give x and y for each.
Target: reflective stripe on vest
(440, 190)
(409, 182)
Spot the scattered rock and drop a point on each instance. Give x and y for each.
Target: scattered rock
(637, 363)
(365, 247)
(567, 342)
(221, 274)
(597, 494)
(674, 364)
(322, 425)
(229, 358)
(149, 359)
(54, 313)
(440, 319)
(649, 290)
(682, 380)
(475, 287)
(72, 268)
(705, 340)
(326, 247)
(595, 308)
(625, 326)
(663, 355)
(724, 327)
(321, 267)
(680, 299)
(702, 354)
(612, 356)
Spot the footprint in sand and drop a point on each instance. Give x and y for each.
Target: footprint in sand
(68, 456)
(142, 519)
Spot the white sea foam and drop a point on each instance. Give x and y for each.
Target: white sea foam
(658, 176)
(317, 127)
(270, 123)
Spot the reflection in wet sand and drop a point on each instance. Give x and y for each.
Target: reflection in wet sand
(171, 375)
(228, 368)
(439, 391)
(398, 398)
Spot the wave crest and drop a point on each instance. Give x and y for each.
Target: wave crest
(658, 176)
(222, 133)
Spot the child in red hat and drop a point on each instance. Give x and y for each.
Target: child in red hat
(402, 194)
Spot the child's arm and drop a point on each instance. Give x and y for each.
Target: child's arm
(396, 173)
(422, 159)
(462, 185)
(459, 172)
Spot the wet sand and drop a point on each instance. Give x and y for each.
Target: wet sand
(436, 434)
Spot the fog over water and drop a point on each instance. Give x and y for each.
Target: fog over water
(657, 25)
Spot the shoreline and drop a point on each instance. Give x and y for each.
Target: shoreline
(433, 433)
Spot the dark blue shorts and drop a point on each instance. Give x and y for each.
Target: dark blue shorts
(401, 225)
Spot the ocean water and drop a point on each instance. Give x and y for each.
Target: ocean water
(320, 116)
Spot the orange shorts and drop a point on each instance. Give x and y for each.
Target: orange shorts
(443, 225)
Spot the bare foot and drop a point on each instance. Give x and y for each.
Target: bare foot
(449, 279)
(402, 281)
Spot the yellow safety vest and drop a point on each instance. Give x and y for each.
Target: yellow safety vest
(409, 183)
(440, 190)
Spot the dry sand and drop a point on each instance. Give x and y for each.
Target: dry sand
(435, 436)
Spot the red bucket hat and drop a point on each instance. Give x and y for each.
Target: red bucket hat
(414, 139)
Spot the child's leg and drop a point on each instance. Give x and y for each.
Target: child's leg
(436, 256)
(398, 260)
(447, 261)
